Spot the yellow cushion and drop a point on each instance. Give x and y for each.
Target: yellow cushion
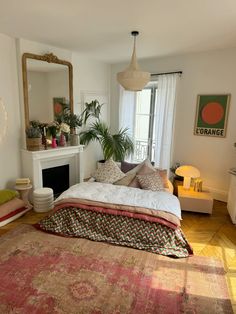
(7, 195)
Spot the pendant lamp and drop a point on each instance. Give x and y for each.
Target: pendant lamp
(132, 78)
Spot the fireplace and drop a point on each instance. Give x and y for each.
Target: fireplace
(56, 178)
(37, 164)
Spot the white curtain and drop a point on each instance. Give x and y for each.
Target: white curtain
(164, 111)
(127, 111)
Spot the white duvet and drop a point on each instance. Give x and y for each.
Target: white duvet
(122, 195)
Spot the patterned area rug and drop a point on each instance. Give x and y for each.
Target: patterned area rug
(42, 273)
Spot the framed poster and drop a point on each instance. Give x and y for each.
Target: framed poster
(211, 115)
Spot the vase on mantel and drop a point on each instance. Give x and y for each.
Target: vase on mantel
(62, 140)
(74, 139)
(54, 142)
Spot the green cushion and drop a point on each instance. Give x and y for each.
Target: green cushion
(7, 195)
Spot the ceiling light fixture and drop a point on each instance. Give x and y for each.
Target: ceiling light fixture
(132, 78)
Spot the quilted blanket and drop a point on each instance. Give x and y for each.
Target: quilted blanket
(136, 230)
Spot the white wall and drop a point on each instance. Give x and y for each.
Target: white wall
(203, 73)
(10, 144)
(91, 81)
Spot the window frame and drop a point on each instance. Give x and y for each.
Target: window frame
(150, 140)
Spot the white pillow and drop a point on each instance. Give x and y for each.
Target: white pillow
(109, 172)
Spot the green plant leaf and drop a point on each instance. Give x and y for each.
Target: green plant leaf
(116, 146)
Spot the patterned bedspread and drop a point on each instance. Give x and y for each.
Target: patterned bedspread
(135, 230)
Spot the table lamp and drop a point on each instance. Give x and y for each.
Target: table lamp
(187, 172)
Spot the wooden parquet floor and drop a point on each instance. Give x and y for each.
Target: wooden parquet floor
(210, 235)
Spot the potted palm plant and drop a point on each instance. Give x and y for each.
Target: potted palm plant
(116, 146)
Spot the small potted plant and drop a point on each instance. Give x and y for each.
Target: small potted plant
(33, 137)
(92, 109)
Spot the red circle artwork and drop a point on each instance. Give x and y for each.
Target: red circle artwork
(212, 113)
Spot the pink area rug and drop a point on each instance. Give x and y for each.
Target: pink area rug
(42, 273)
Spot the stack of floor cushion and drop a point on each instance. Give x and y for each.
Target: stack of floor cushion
(11, 207)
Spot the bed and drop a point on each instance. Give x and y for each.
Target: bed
(120, 215)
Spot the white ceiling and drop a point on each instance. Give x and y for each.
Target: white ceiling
(101, 28)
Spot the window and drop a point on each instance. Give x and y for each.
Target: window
(149, 116)
(145, 123)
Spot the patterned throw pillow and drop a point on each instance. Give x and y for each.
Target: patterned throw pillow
(144, 168)
(130, 176)
(163, 174)
(108, 172)
(151, 182)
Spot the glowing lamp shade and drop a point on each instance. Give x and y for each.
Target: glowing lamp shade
(187, 172)
(133, 78)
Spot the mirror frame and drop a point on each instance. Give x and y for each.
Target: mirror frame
(50, 58)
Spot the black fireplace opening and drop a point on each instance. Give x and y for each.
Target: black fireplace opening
(56, 178)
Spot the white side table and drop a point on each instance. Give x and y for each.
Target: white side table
(24, 193)
(199, 202)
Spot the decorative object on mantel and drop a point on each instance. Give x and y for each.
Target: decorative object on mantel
(73, 121)
(211, 115)
(53, 129)
(64, 129)
(33, 137)
(54, 142)
(132, 78)
(62, 140)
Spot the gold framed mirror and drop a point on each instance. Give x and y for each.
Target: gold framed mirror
(47, 81)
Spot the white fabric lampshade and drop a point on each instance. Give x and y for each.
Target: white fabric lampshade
(187, 172)
(132, 78)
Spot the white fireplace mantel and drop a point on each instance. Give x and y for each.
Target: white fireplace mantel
(33, 162)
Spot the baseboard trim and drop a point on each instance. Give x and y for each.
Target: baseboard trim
(220, 195)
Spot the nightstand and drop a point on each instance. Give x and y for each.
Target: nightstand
(199, 202)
